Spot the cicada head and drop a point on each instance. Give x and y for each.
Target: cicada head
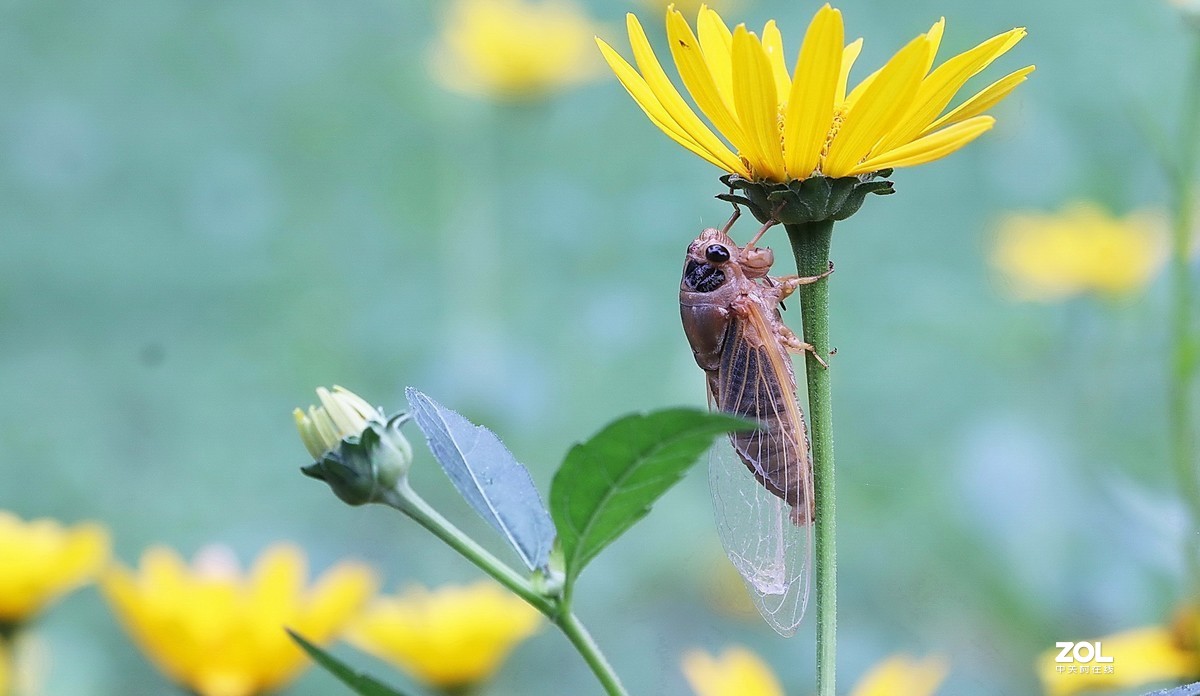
(711, 262)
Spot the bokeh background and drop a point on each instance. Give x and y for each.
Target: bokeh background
(206, 210)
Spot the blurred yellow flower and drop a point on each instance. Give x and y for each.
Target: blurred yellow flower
(41, 560)
(1140, 657)
(689, 7)
(793, 126)
(449, 637)
(739, 672)
(900, 674)
(221, 633)
(512, 49)
(735, 672)
(1081, 249)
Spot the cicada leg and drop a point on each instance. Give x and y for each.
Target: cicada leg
(737, 212)
(760, 233)
(788, 284)
(793, 342)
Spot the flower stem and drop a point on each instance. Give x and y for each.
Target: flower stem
(406, 500)
(8, 656)
(1184, 347)
(557, 609)
(810, 244)
(583, 642)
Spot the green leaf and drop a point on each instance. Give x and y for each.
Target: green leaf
(609, 482)
(359, 682)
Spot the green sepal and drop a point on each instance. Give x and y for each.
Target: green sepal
(364, 466)
(814, 199)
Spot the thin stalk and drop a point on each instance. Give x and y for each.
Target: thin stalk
(810, 244)
(583, 642)
(406, 500)
(8, 656)
(1183, 364)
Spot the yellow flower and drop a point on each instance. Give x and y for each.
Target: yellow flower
(900, 674)
(1140, 657)
(448, 637)
(739, 672)
(41, 560)
(1080, 249)
(513, 48)
(793, 126)
(735, 672)
(220, 633)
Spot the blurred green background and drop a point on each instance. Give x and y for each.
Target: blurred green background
(208, 209)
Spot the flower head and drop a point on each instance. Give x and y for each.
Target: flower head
(220, 632)
(41, 560)
(513, 49)
(786, 126)
(359, 451)
(1141, 657)
(1080, 249)
(448, 637)
(739, 672)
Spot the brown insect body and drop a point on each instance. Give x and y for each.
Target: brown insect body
(730, 311)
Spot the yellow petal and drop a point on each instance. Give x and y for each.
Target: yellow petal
(849, 55)
(811, 102)
(772, 43)
(277, 580)
(929, 148)
(881, 103)
(644, 97)
(337, 595)
(986, 98)
(699, 82)
(666, 95)
(934, 37)
(757, 104)
(903, 675)
(736, 671)
(716, 45)
(939, 87)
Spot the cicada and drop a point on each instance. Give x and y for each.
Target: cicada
(762, 480)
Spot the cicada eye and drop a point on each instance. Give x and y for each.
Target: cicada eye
(716, 254)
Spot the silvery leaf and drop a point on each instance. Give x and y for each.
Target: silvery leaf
(488, 476)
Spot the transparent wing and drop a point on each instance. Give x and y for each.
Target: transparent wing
(761, 482)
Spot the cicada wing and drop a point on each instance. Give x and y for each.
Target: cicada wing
(761, 481)
(770, 551)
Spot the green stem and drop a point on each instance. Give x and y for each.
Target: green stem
(557, 609)
(583, 642)
(810, 244)
(8, 655)
(406, 500)
(1183, 338)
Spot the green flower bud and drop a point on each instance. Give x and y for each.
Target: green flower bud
(358, 451)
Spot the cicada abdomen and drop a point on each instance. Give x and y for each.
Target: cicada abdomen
(762, 483)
